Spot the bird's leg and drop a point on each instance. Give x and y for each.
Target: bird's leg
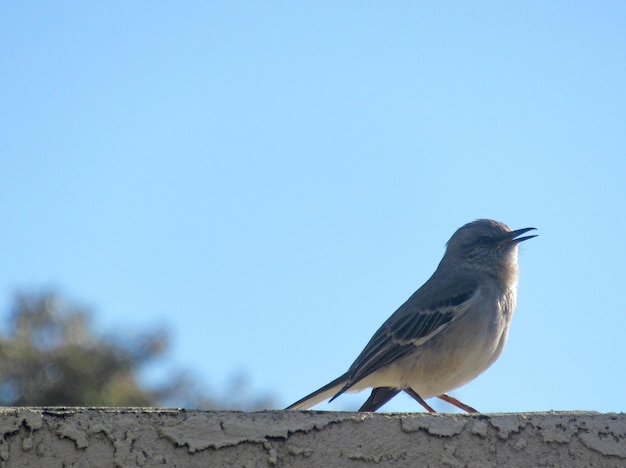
(457, 403)
(419, 399)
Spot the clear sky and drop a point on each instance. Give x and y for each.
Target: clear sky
(270, 181)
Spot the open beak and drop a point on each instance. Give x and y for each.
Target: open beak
(513, 235)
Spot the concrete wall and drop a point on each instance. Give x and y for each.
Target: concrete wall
(128, 437)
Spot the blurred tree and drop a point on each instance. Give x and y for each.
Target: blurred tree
(50, 356)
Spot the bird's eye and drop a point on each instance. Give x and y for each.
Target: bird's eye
(484, 240)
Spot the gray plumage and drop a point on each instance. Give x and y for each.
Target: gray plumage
(448, 332)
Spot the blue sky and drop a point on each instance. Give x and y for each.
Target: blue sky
(270, 181)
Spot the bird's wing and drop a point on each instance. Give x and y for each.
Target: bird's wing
(418, 320)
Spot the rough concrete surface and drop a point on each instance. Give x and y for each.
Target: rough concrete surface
(128, 437)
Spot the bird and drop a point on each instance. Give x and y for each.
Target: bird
(448, 332)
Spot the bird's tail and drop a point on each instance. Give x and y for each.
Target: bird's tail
(327, 391)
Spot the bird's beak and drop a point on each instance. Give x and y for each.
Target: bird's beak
(512, 236)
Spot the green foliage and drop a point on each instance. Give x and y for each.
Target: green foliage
(50, 356)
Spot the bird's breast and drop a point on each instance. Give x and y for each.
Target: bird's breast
(461, 352)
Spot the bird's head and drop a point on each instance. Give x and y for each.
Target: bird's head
(486, 245)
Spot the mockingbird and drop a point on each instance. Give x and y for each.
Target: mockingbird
(448, 332)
